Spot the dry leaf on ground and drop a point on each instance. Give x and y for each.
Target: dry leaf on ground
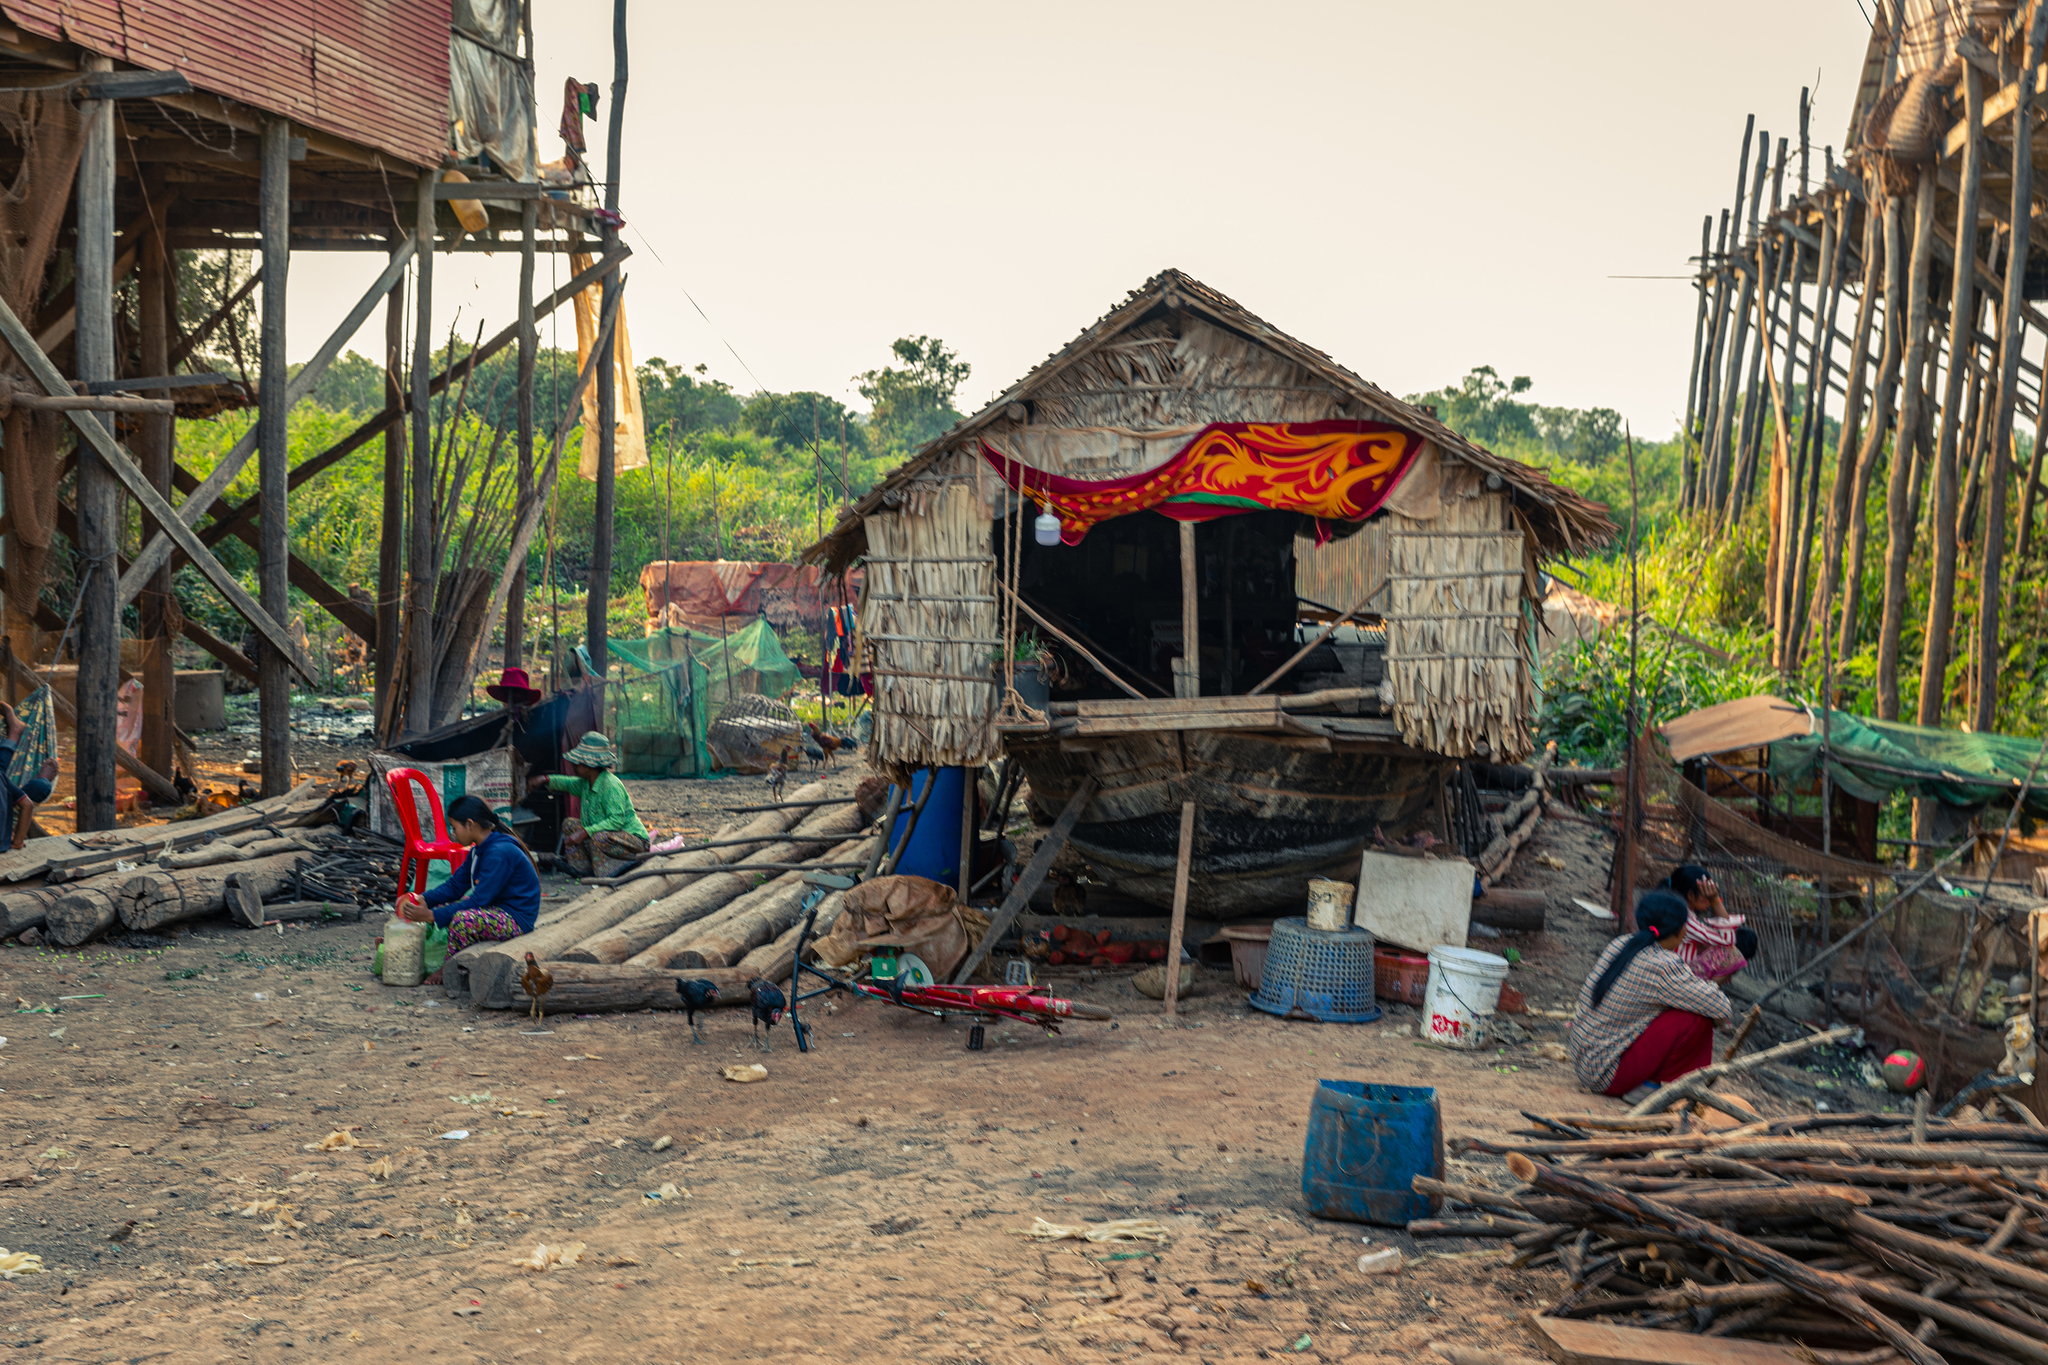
(1116, 1230)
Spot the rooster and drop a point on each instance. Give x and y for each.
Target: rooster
(697, 995)
(828, 745)
(538, 981)
(768, 1005)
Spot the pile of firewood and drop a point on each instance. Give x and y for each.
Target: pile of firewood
(1858, 1238)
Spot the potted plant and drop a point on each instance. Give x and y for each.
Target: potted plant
(1033, 668)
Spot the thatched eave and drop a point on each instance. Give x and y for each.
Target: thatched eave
(1562, 522)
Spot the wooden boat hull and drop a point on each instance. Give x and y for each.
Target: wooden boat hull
(1272, 810)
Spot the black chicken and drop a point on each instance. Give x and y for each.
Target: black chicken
(768, 1003)
(697, 995)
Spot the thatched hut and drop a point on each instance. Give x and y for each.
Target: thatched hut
(1294, 494)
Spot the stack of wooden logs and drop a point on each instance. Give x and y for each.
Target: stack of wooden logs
(71, 888)
(727, 911)
(1863, 1237)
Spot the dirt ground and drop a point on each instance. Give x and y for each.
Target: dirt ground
(865, 1202)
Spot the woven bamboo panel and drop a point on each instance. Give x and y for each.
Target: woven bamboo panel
(1340, 572)
(1456, 647)
(928, 607)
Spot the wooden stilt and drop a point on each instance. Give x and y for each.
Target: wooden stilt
(1899, 547)
(529, 353)
(274, 682)
(1726, 362)
(391, 540)
(600, 586)
(2010, 339)
(1778, 255)
(1187, 670)
(1814, 431)
(156, 285)
(1693, 471)
(1180, 906)
(1881, 415)
(1962, 329)
(968, 825)
(420, 565)
(1701, 284)
(99, 496)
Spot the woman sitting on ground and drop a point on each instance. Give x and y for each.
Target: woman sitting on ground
(1644, 1016)
(607, 837)
(493, 896)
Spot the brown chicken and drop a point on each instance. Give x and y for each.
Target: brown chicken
(537, 981)
(830, 744)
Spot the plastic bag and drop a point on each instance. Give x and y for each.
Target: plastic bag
(434, 951)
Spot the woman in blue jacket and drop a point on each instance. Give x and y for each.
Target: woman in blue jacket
(493, 896)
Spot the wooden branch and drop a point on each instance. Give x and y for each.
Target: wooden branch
(1749, 1023)
(1707, 1075)
(1028, 881)
(82, 402)
(1833, 1292)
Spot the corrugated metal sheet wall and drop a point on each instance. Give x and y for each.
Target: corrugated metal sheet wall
(372, 71)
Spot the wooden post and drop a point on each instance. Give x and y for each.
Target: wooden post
(391, 540)
(421, 575)
(1721, 463)
(1693, 473)
(1899, 547)
(274, 679)
(99, 496)
(1699, 333)
(600, 585)
(2010, 337)
(156, 284)
(1815, 428)
(968, 825)
(1722, 378)
(529, 353)
(1180, 906)
(1773, 266)
(1856, 531)
(1187, 670)
(1962, 330)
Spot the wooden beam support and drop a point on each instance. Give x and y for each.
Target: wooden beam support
(100, 465)
(529, 356)
(302, 575)
(157, 552)
(1181, 866)
(1031, 878)
(246, 512)
(421, 571)
(155, 283)
(153, 503)
(391, 536)
(1996, 107)
(1187, 671)
(273, 683)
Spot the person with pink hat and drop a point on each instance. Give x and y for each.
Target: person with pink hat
(514, 688)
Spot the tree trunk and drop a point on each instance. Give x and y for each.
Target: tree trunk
(160, 896)
(485, 971)
(80, 913)
(1501, 908)
(1882, 418)
(708, 895)
(1899, 547)
(22, 910)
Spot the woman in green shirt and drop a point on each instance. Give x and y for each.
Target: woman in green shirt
(608, 836)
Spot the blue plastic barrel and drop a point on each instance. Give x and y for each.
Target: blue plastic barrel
(1365, 1144)
(934, 850)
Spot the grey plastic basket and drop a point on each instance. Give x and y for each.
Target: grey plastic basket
(1318, 974)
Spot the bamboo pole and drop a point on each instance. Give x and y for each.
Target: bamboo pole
(1813, 432)
(1884, 417)
(1693, 471)
(1834, 535)
(1899, 546)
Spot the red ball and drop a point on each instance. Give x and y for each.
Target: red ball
(1904, 1072)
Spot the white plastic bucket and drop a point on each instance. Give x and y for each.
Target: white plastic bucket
(1329, 904)
(1458, 1003)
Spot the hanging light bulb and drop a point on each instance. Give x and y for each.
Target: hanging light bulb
(1046, 528)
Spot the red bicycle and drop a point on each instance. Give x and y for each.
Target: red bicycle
(1024, 1004)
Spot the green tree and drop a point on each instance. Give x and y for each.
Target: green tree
(913, 402)
(1482, 407)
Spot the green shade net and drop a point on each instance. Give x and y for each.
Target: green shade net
(665, 691)
(1876, 759)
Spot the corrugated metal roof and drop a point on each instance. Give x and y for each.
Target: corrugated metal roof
(372, 71)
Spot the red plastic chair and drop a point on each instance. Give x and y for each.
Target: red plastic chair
(419, 851)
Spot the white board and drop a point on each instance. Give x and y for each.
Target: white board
(1414, 903)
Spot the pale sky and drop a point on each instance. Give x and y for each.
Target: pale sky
(1415, 189)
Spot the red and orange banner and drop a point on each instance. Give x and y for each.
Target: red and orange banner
(1336, 471)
